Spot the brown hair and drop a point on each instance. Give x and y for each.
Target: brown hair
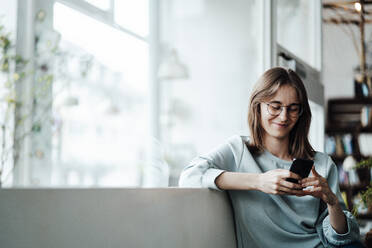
(265, 88)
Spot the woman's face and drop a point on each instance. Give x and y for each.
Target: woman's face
(278, 126)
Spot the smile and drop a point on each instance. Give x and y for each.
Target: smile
(280, 125)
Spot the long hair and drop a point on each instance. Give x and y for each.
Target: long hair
(265, 88)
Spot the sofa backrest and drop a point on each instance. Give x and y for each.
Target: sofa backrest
(97, 218)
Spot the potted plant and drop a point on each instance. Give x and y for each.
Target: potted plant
(364, 172)
(363, 169)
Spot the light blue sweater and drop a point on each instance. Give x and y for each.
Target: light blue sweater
(265, 220)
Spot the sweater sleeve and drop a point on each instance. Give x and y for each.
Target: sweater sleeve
(330, 234)
(203, 170)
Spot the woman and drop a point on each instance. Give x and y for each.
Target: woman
(270, 211)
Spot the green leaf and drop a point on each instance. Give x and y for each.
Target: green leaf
(36, 127)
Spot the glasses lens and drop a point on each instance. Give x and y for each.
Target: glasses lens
(274, 109)
(294, 110)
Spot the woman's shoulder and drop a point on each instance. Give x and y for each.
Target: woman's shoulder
(238, 139)
(321, 156)
(229, 152)
(323, 162)
(236, 144)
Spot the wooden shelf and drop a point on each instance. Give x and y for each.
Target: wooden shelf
(354, 188)
(366, 216)
(340, 159)
(348, 100)
(344, 117)
(333, 129)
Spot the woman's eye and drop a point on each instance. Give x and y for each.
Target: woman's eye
(276, 107)
(294, 108)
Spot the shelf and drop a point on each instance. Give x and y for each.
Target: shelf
(340, 159)
(353, 187)
(344, 116)
(344, 130)
(364, 101)
(366, 216)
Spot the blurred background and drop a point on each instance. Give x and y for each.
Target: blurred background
(120, 93)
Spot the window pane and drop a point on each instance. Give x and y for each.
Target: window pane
(100, 104)
(316, 133)
(133, 15)
(220, 43)
(296, 29)
(102, 4)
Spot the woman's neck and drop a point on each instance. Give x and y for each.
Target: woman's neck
(277, 147)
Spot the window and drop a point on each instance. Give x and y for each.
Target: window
(102, 4)
(100, 102)
(298, 29)
(133, 15)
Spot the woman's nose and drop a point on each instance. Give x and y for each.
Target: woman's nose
(284, 114)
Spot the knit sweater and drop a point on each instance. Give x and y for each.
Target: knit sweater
(266, 220)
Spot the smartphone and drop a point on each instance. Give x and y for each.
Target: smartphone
(301, 167)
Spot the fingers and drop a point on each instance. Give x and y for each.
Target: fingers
(310, 181)
(290, 185)
(283, 187)
(283, 173)
(293, 175)
(315, 173)
(313, 189)
(285, 190)
(313, 180)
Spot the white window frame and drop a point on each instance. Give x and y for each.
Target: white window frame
(25, 47)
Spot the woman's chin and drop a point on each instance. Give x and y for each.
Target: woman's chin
(279, 135)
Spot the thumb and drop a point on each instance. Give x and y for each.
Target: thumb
(314, 171)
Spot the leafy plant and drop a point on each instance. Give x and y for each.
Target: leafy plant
(366, 196)
(11, 72)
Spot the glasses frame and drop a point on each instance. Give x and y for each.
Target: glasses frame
(284, 106)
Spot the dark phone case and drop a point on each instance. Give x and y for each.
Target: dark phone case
(301, 167)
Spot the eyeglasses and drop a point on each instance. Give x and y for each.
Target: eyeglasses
(274, 109)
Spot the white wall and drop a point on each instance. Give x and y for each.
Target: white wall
(339, 57)
(220, 41)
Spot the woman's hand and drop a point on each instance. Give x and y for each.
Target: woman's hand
(320, 188)
(274, 182)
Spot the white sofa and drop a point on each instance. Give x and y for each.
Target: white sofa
(97, 218)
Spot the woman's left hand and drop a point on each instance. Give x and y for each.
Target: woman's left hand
(320, 188)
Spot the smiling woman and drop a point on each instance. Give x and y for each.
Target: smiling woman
(310, 213)
(280, 88)
(278, 120)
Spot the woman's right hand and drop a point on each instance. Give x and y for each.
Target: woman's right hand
(274, 182)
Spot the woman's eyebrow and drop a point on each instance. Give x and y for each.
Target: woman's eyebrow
(279, 102)
(276, 102)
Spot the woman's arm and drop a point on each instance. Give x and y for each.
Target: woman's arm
(321, 189)
(337, 217)
(219, 170)
(271, 182)
(237, 181)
